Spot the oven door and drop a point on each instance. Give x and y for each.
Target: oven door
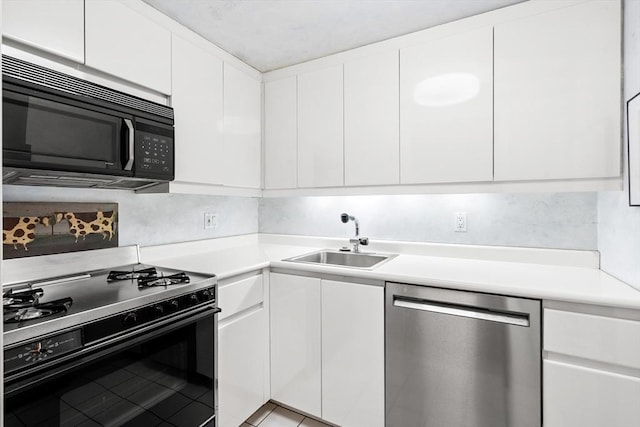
(154, 376)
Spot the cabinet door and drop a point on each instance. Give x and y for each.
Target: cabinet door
(578, 396)
(241, 376)
(126, 44)
(295, 342)
(446, 109)
(557, 94)
(241, 156)
(281, 133)
(352, 354)
(197, 103)
(371, 122)
(320, 128)
(55, 26)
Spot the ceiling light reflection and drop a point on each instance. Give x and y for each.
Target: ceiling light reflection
(446, 89)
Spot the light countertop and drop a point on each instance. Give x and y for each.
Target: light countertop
(229, 257)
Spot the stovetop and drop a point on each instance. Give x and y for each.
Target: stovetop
(94, 297)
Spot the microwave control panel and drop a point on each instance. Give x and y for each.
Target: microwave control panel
(154, 155)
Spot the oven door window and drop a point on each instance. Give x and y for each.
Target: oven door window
(53, 133)
(167, 380)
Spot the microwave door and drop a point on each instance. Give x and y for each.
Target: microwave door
(46, 134)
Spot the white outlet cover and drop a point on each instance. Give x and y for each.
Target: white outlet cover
(210, 220)
(460, 222)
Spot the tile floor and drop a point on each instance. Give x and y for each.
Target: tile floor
(272, 415)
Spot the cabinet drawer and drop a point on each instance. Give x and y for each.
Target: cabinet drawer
(237, 296)
(577, 396)
(604, 339)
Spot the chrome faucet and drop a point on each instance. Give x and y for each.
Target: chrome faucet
(357, 240)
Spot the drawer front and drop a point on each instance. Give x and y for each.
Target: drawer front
(237, 296)
(577, 396)
(599, 338)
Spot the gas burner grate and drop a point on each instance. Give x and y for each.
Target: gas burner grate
(20, 299)
(36, 311)
(174, 279)
(131, 275)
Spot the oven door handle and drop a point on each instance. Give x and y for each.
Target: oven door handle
(16, 382)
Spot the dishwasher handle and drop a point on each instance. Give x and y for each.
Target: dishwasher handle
(510, 318)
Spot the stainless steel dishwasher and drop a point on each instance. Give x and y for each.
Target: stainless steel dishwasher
(461, 359)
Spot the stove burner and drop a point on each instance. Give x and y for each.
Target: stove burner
(174, 279)
(37, 311)
(18, 299)
(133, 274)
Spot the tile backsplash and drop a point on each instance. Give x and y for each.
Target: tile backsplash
(151, 219)
(541, 220)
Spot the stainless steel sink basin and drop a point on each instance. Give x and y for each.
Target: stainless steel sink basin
(344, 259)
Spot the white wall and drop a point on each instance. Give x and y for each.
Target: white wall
(543, 220)
(151, 219)
(619, 224)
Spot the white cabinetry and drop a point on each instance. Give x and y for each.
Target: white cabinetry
(371, 122)
(446, 93)
(327, 348)
(558, 94)
(281, 133)
(242, 349)
(295, 342)
(55, 26)
(352, 354)
(320, 128)
(127, 44)
(197, 102)
(591, 370)
(241, 159)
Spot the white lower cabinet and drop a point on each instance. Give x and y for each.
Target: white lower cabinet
(242, 350)
(590, 372)
(327, 348)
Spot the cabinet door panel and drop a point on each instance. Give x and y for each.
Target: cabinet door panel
(577, 396)
(241, 352)
(281, 133)
(371, 122)
(446, 96)
(352, 354)
(197, 102)
(241, 160)
(295, 342)
(55, 26)
(126, 44)
(320, 128)
(557, 94)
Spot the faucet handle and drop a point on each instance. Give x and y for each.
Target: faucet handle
(364, 241)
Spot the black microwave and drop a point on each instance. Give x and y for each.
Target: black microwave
(63, 131)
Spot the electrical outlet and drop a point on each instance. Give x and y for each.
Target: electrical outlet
(460, 222)
(210, 220)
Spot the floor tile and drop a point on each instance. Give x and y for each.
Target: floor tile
(281, 417)
(261, 414)
(310, 422)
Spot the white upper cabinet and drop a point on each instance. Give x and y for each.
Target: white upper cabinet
(55, 26)
(320, 128)
(371, 123)
(280, 133)
(558, 94)
(126, 44)
(446, 102)
(197, 103)
(241, 160)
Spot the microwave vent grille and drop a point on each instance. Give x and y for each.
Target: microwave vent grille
(33, 73)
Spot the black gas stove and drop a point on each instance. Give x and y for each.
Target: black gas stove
(65, 331)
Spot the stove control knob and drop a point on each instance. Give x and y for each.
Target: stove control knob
(130, 319)
(193, 299)
(158, 310)
(206, 295)
(173, 305)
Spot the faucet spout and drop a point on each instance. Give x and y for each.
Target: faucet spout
(356, 241)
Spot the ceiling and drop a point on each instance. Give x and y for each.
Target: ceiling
(271, 34)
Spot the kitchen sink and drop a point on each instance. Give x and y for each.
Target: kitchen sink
(344, 259)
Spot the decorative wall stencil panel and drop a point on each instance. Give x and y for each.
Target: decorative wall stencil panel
(31, 229)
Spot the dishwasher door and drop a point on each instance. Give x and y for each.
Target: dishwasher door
(461, 359)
